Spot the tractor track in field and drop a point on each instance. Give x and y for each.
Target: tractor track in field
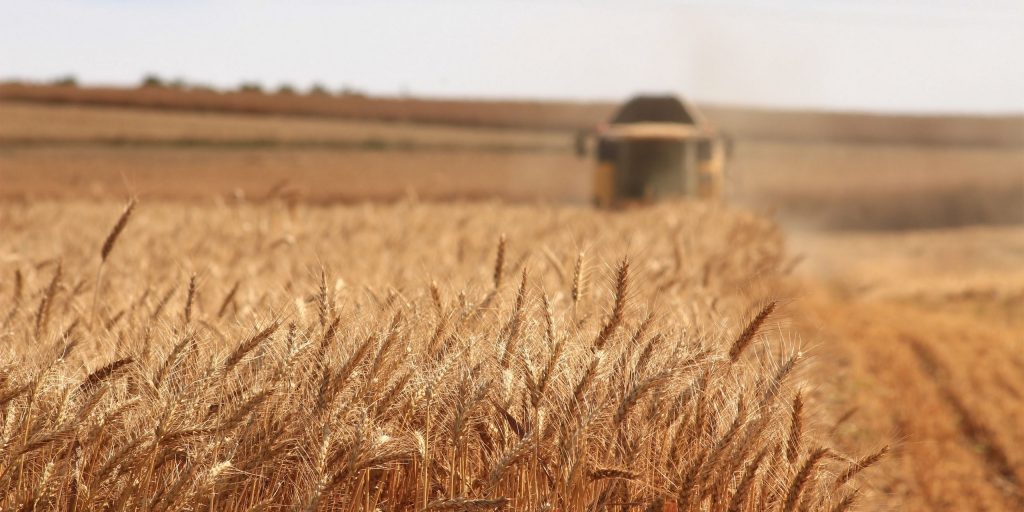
(954, 444)
(920, 333)
(973, 428)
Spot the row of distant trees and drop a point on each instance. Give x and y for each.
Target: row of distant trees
(155, 81)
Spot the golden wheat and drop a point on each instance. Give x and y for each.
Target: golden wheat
(408, 377)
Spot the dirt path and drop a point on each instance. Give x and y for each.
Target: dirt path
(936, 370)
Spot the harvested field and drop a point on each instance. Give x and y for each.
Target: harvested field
(918, 337)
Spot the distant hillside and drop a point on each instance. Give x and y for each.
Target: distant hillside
(543, 115)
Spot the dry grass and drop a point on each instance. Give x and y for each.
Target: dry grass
(402, 358)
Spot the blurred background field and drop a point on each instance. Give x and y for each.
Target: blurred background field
(862, 172)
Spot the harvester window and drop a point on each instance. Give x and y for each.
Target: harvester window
(704, 149)
(606, 150)
(650, 168)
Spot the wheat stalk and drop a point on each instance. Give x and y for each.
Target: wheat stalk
(860, 465)
(618, 307)
(747, 336)
(499, 261)
(190, 299)
(800, 481)
(739, 498)
(103, 373)
(105, 250)
(795, 429)
(43, 312)
(468, 504)
(578, 280)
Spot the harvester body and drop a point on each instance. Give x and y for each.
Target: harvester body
(657, 148)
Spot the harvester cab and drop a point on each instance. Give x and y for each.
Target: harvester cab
(655, 147)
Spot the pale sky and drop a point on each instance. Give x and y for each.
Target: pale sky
(875, 55)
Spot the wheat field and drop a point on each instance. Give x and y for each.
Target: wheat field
(395, 371)
(238, 355)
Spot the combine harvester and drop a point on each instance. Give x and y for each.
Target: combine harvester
(655, 147)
